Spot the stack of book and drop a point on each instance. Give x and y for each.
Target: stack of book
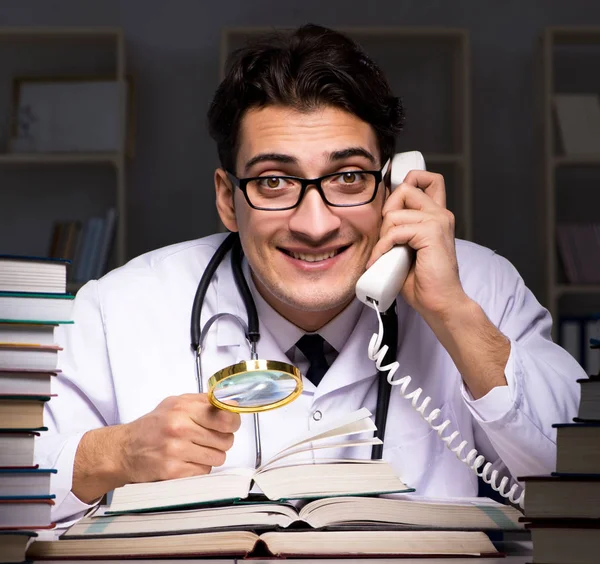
(333, 508)
(563, 509)
(33, 302)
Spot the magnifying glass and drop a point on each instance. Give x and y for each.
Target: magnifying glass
(250, 386)
(255, 385)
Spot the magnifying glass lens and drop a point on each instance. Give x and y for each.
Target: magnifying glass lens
(256, 389)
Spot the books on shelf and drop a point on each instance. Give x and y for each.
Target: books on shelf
(64, 239)
(32, 274)
(575, 335)
(578, 120)
(278, 478)
(405, 511)
(87, 245)
(578, 246)
(276, 543)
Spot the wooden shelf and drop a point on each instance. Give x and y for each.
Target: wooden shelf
(576, 160)
(562, 50)
(65, 51)
(59, 158)
(441, 158)
(573, 289)
(61, 32)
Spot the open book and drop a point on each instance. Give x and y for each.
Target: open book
(293, 543)
(403, 511)
(277, 478)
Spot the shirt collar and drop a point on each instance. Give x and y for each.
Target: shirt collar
(286, 334)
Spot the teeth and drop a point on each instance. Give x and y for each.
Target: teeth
(313, 258)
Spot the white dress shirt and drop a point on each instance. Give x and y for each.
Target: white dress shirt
(129, 348)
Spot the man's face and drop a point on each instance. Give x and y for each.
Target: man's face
(305, 261)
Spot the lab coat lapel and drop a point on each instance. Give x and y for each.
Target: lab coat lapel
(352, 364)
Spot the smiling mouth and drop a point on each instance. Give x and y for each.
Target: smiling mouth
(314, 257)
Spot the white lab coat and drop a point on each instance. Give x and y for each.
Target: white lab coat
(130, 348)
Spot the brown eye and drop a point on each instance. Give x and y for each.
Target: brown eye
(273, 182)
(349, 177)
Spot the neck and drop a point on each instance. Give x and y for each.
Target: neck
(309, 321)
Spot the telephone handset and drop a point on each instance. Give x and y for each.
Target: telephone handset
(378, 287)
(382, 282)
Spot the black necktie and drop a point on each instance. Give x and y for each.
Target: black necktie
(311, 347)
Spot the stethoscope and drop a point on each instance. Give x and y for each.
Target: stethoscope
(256, 385)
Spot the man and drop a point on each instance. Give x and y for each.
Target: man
(470, 333)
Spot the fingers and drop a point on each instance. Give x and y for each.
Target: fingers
(421, 190)
(203, 413)
(418, 231)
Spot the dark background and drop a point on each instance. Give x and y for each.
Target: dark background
(173, 53)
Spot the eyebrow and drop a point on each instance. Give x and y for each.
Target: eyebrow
(288, 159)
(351, 152)
(277, 157)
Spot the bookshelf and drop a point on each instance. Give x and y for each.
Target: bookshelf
(429, 68)
(571, 180)
(43, 186)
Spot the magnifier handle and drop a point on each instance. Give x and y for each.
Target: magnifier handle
(257, 442)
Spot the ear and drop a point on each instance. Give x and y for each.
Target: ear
(224, 195)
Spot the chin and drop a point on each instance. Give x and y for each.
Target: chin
(317, 301)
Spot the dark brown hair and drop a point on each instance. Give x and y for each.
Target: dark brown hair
(311, 67)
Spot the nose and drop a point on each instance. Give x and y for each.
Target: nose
(313, 219)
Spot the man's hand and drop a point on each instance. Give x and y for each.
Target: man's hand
(183, 436)
(415, 214)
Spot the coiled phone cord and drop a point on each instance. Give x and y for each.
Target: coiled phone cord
(473, 460)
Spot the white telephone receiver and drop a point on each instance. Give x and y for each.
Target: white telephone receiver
(378, 287)
(382, 282)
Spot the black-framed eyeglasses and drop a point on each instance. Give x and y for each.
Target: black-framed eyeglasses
(340, 189)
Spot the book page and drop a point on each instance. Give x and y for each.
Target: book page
(309, 448)
(354, 423)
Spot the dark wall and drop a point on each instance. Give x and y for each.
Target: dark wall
(173, 52)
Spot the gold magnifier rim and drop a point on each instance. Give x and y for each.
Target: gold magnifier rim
(257, 365)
